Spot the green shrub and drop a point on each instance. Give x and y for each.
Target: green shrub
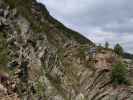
(3, 52)
(119, 74)
(14, 3)
(40, 88)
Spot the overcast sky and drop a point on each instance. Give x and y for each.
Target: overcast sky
(98, 20)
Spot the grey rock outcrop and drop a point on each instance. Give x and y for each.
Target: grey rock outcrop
(49, 59)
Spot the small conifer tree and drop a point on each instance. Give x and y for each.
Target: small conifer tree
(118, 49)
(106, 45)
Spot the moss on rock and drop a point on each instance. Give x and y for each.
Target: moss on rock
(3, 52)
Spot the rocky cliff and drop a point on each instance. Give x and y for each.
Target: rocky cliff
(47, 61)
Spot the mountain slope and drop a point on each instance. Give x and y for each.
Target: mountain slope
(48, 61)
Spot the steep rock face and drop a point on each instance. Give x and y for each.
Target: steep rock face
(49, 61)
